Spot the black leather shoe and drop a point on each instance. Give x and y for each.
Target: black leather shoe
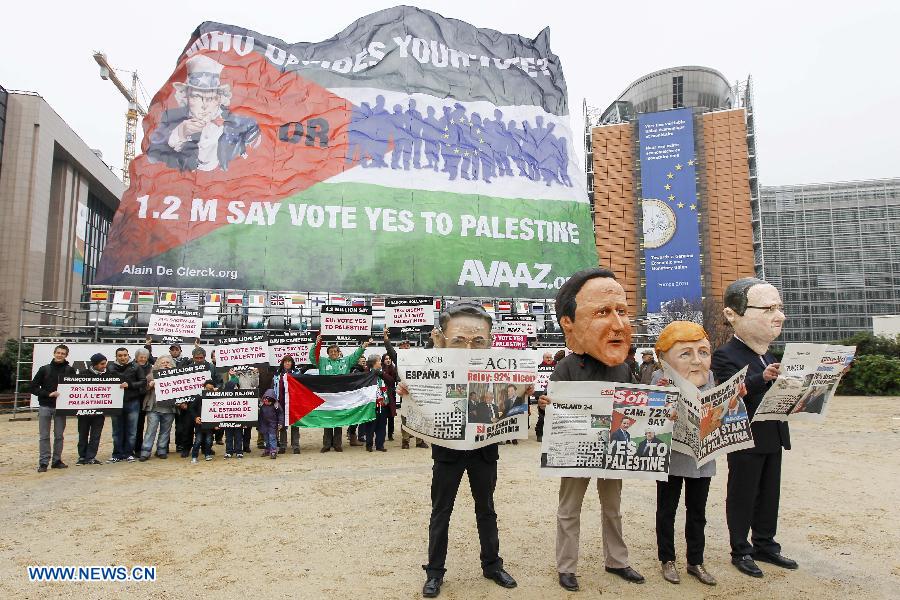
(42, 468)
(746, 566)
(778, 560)
(627, 573)
(432, 587)
(568, 581)
(59, 465)
(502, 578)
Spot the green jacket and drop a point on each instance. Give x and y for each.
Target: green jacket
(340, 366)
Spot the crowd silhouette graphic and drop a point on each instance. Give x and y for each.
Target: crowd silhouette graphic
(459, 144)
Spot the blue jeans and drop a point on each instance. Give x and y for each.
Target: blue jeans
(163, 422)
(271, 438)
(234, 440)
(124, 429)
(202, 437)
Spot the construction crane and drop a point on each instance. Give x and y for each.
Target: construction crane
(135, 108)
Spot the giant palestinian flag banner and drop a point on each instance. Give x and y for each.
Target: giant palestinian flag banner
(424, 140)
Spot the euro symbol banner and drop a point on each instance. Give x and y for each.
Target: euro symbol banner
(409, 154)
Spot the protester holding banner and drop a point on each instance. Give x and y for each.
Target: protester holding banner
(44, 385)
(392, 354)
(334, 364)
(685, 347)
(91, 426)
(124, 425)
(754, 310)
(592, 310)
(142, 369)
(160, 415)
(463, 325)
(286, 367)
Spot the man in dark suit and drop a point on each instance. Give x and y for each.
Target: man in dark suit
(754, 309)
(463, 325)
(621, 434)
(202, 134)
(648, 446)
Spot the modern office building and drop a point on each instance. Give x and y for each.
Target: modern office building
(833, 249)
(57, 199)
(672, 178)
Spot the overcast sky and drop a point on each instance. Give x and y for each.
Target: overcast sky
(825, 73)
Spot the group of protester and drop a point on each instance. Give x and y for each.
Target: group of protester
(593, 313)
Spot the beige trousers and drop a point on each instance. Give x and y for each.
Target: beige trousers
(568, 522)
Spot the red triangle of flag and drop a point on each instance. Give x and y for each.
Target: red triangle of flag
(300, 399)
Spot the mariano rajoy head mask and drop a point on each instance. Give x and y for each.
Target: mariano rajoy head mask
(755, 311)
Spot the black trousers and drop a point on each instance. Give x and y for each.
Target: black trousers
(539, 426)
(331, 438)
(668, 495)
(751, 504)
(89, 429)
(445, 480)
(184, 430)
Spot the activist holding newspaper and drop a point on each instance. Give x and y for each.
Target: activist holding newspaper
(466, 399)
(806, 383)
(464, 330)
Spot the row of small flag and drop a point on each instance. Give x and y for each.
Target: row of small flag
(289, 300)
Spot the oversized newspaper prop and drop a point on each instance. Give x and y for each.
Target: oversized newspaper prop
(182, 384)
(810, 373)
(466, 399)
(606, 429)
(712, 422)
(85, 395)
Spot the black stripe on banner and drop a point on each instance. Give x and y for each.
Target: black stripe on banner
(333, 384)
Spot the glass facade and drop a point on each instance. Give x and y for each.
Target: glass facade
(99, 219)
(834, 252)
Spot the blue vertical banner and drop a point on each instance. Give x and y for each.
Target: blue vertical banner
(670, 205)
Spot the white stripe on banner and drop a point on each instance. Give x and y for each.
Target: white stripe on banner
(349, 399)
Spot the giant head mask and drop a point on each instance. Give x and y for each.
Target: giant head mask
(593, 312)
(463, 325)
(754, 309)
(685, 347)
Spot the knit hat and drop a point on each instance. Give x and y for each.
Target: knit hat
(96, 359)
(679, 331)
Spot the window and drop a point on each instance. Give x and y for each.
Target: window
(678, 91)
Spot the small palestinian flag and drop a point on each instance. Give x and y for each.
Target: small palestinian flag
(99, 295)
(145, 297)
(330, 400)
(168, 297)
